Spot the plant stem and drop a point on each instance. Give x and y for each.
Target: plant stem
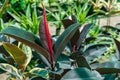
(52, 76)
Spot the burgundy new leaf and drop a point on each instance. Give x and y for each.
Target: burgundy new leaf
(74, 39)
(45, 35)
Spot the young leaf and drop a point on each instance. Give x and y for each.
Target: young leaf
(83, 34)
(17, 54)
(11, 69)
(67, 23)
(45, 35)
(64, 38)
(27, 38)
(28, 12)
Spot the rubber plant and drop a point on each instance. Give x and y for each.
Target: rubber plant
(50, 53)
(45, 37)
(45, 49)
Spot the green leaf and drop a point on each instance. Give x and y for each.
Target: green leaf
(14, 16)
(107, 67)
(64, 38)
(83, 33)
(13, 1)
(80, 60)
(27, 38)
(109, 64)
(40, 72)
(64, 62)
(94, 51)
(1, 24)
(11, 69)
(109, 76)
(82, 74)
(67, 23)
(2, 59)
(28, 12)
(108, 70)
(94, 31)
(110, 29)
(17, 54)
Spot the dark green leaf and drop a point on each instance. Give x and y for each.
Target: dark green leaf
(107, 67)
(27, 38)
(67, 23)
(64, 62)
(94, 51)
(64, 38)
(3, 38)
(109, 64)
(3, 51)
(80, 60)
(83, 34)
(82, 74)
(2, 59)
(108, 70)
(109, 76)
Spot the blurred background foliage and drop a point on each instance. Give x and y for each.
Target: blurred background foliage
(98, 44)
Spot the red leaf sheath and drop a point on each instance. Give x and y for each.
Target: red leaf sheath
(47, 34)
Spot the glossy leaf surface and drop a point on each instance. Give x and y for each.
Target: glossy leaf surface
(27, 38)
(82, 74)
(64, 38)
